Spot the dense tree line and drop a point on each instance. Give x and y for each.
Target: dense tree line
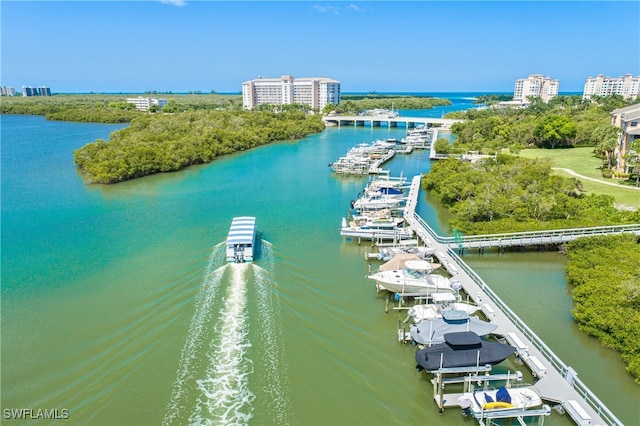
(492, 99)
(511, 194)
(108, 108)
(606, 278)
(565, 121)
(350, 104)
(155, 143)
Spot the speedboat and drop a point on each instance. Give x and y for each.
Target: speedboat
(379, 219)
(462, 349)
(377, 202)
(442, 302)
(420, 252)
(432, 331)
(521, 398)
(415, 277)
(381, 228)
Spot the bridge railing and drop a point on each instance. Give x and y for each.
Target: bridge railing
(553, 236)
(565, 371)
(552, 358)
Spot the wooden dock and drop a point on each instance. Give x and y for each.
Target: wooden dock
(557, 382)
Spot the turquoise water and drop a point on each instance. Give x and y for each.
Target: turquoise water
(117, 304)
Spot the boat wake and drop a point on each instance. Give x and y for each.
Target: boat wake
(225, 397)
(213, 383)
(197, 330)
(272, 362)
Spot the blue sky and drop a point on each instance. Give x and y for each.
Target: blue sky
(415, 46)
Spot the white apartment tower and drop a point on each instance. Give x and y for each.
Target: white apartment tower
(537, 86)
(628, 86)
(315, 92)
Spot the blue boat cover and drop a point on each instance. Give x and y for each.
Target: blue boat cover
(503, 395)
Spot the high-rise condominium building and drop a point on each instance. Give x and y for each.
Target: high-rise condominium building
(35, 91)
(628, 86)
(315, 92)
(7, 91)
(537, 86)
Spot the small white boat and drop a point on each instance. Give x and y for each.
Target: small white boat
(441, 302)
(377, 229)
(377, 202)
(421, 252)
(431, 331)
(241, 239)
(415, 277)
(480, 401)
(381, 219)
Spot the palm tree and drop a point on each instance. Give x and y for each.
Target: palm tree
(605, 139)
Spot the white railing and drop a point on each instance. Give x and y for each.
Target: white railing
(565, 371)
(582, 389)
(554, 236)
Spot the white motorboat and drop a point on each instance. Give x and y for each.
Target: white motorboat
(521, 398)
(381, 218)
(415, 277)
(379, 229)
(377, 202)
(421, 252)
(431, 331)
(441, 302)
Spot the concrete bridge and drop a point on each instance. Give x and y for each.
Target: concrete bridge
(380, 121)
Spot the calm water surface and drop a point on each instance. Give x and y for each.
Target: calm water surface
(118, 306)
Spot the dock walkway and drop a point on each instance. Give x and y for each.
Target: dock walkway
(557, 382)
(535, 238)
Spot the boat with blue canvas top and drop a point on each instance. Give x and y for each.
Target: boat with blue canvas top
(241, 239)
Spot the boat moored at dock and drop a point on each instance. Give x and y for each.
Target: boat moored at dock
(462, 349)
(503, 399)
(414, 277)
(241, 239)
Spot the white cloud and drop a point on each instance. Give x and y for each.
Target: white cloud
(327, 9)
(178, 3)
(355, 8)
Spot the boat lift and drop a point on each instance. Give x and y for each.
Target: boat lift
(473, 379)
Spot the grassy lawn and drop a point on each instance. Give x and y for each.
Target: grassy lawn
(581, 160)
(584, 162)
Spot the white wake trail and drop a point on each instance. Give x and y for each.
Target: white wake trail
(197, 330)
(225, 397)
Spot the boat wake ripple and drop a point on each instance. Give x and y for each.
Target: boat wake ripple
(271, 362)
(197, 333)
(225, 397)
(212, 384)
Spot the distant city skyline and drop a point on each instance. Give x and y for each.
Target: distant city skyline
(199, 46)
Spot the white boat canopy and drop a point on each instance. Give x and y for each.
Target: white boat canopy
(242, 231)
